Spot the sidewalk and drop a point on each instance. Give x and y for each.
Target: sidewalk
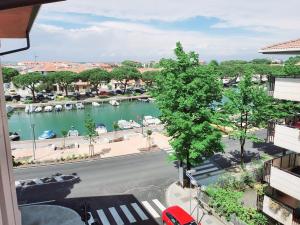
(176, 195)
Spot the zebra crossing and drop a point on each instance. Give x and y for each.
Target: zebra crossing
(131, 213)
(169, 151)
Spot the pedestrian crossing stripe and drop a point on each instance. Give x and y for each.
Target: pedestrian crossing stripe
(129, 215)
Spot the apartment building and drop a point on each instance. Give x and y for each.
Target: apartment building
(281, 201)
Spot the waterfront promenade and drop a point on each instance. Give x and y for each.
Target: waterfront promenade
(133, 143)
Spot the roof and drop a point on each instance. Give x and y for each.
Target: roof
(17, 16)
(180, 215)
(289, 47)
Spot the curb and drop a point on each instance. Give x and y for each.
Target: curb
(81, 161)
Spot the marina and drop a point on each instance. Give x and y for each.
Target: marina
(131, 111)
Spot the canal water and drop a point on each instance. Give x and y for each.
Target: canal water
(57, 121)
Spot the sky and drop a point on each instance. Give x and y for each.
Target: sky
(115, 30)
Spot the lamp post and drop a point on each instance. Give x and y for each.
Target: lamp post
(33, 141)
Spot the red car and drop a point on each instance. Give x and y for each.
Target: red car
(177, 216)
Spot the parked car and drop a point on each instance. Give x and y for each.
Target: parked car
(8, 98)
(139, 90)
(40, 97)
(50, 96)
(59, 97)
(177, 216)
(89, 94)
(118, 92)
(12, 92)
(76, 95)
(16, 97)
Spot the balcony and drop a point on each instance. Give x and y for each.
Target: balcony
(287, 88)
(288, 137)
(277, 207)
(283, 174)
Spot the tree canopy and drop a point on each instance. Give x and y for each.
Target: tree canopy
(124, 74)
(185, 93)
(8, 74)
(131, 63)
(29, 80)
(63, 79)
(149, 77)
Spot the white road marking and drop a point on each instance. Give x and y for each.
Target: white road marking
(102, 217)
(139, 211)
(36, 203)
(91, 220)
(150, 209)
(159, 205)
(128, 214)
(116, 216)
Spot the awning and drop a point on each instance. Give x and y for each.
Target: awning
(17, 16)
(289, 47)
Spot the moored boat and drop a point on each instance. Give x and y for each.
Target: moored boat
(114, 102)
(68, 106)
(38, 109)
(9, 109)
(47, 134)
(58, 108)
(124, 124)
(14, 136)
(150, 120)
(79, 105)
(95, 104)
(48, 108)
(134, 124)
(29, 108)
(73, 132)
(100, 128)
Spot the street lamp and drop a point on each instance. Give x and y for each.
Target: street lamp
(33, 141)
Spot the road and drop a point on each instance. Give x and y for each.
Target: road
(131, 186)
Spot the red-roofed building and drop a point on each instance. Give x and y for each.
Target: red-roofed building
(289, 47)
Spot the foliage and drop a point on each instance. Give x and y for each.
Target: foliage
(95, 77)
(247, 106)
(227, 202)
(64, 133)
(29, 80)
(115, 126)
(185, 92)
(90, 127)
(149, 77)
(131, 63)
(124, 74)
(261, 61)
(8, 74)
(63, 79)
(228, 181)
(290, 66)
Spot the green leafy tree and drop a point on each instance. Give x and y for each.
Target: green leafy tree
(91, 133)
(64, 133)
(248, 106)
(96, 77)
(8, 74)
(185, 94)
(131, 63)
(64, 79)
(29, 80)
(149, 77)
(291, 67)
(124, 74)
(261, 61)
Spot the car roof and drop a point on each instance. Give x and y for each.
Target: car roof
(182, 216)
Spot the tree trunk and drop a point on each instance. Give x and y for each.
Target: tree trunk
(242, 142)
(66, 90)
(125, 86)
(33, 94)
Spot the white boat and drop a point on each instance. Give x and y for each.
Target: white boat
(95, 104)
(144, 99)
(48, 108)
(38, 109)
(134, 124)
(9, 109)
(73, 132)
(100, 128)
(68, 106)
(124, 124)
(29, 108)
(79, 105)
(150, 120)
(114, 102)
(58, 108)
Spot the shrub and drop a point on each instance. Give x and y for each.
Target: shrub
(227, 202)
(228, 181)
(248, 178)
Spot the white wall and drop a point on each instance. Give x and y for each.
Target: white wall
(277, 214)
(287, 88)
(285, 182)
(287, 137)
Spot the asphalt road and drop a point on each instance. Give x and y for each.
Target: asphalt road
(107, 184)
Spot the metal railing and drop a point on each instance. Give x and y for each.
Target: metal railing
(284, 163)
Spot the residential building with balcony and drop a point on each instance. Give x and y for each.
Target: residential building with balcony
(281, 201)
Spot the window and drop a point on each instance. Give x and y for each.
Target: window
(173, 220)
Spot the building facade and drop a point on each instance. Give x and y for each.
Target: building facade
(281, 201)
